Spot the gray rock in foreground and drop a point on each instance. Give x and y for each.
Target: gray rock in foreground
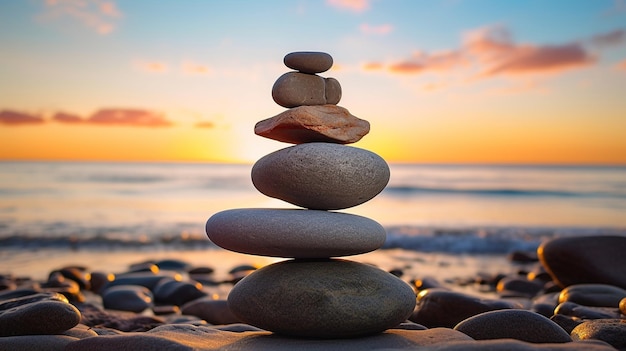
(322, 299)
(321, 176)
(294, 233)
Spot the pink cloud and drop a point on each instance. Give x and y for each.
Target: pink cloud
(377, 30)
(492, 51)
(15, 118)
(621, 65)
(350, 5)
(98, 15)
(129, 117)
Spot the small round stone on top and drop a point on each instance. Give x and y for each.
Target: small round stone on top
(309, 61)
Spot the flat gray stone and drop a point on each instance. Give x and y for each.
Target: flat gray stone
(321, 176)
(322, 299)
(294, 233)
(294, 89)
(309, 61)
(513, 324)
(307, 124)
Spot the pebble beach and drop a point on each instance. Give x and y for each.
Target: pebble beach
(312, 276)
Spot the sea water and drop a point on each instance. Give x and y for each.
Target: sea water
(442, 209)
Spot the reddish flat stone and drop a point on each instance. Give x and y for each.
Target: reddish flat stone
(305, 124)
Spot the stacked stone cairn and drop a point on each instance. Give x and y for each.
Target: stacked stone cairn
(313, 294)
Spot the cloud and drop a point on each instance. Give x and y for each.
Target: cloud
(191, 68)
(129, 117)
(205, 125)
(492, 51)
(15, 118)
(377, 30)
(98, 15)
(67, 118)
(372, 66)
(104, 117)
(621, 65)
(152, 66)
(612, 38)
(350, 5)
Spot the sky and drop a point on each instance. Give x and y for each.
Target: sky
(450, 81)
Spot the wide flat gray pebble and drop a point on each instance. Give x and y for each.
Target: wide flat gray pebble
(322, 299)
(309, 61)
(294, 233)
(321, 176)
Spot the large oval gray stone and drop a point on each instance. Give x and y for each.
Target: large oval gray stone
(294, 233)
(322, 299)
(321, 176)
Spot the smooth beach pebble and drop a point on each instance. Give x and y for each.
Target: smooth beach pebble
(600, 295)
(513, 324)
(211, 310)
(40, 317)
(322, 299)
(586, 312)
(294, 89)
(587, 259)
(309, 61)
(332, 91)
(321, 176)
(442, 308)
(611, 331)
(306, 124)
(173, 292)
(133, 298)
(294, 233)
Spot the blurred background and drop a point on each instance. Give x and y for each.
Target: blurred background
(132, 120)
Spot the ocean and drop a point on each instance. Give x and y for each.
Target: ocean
(86, 208)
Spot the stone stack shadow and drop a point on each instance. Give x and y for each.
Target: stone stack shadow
(313, 294)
